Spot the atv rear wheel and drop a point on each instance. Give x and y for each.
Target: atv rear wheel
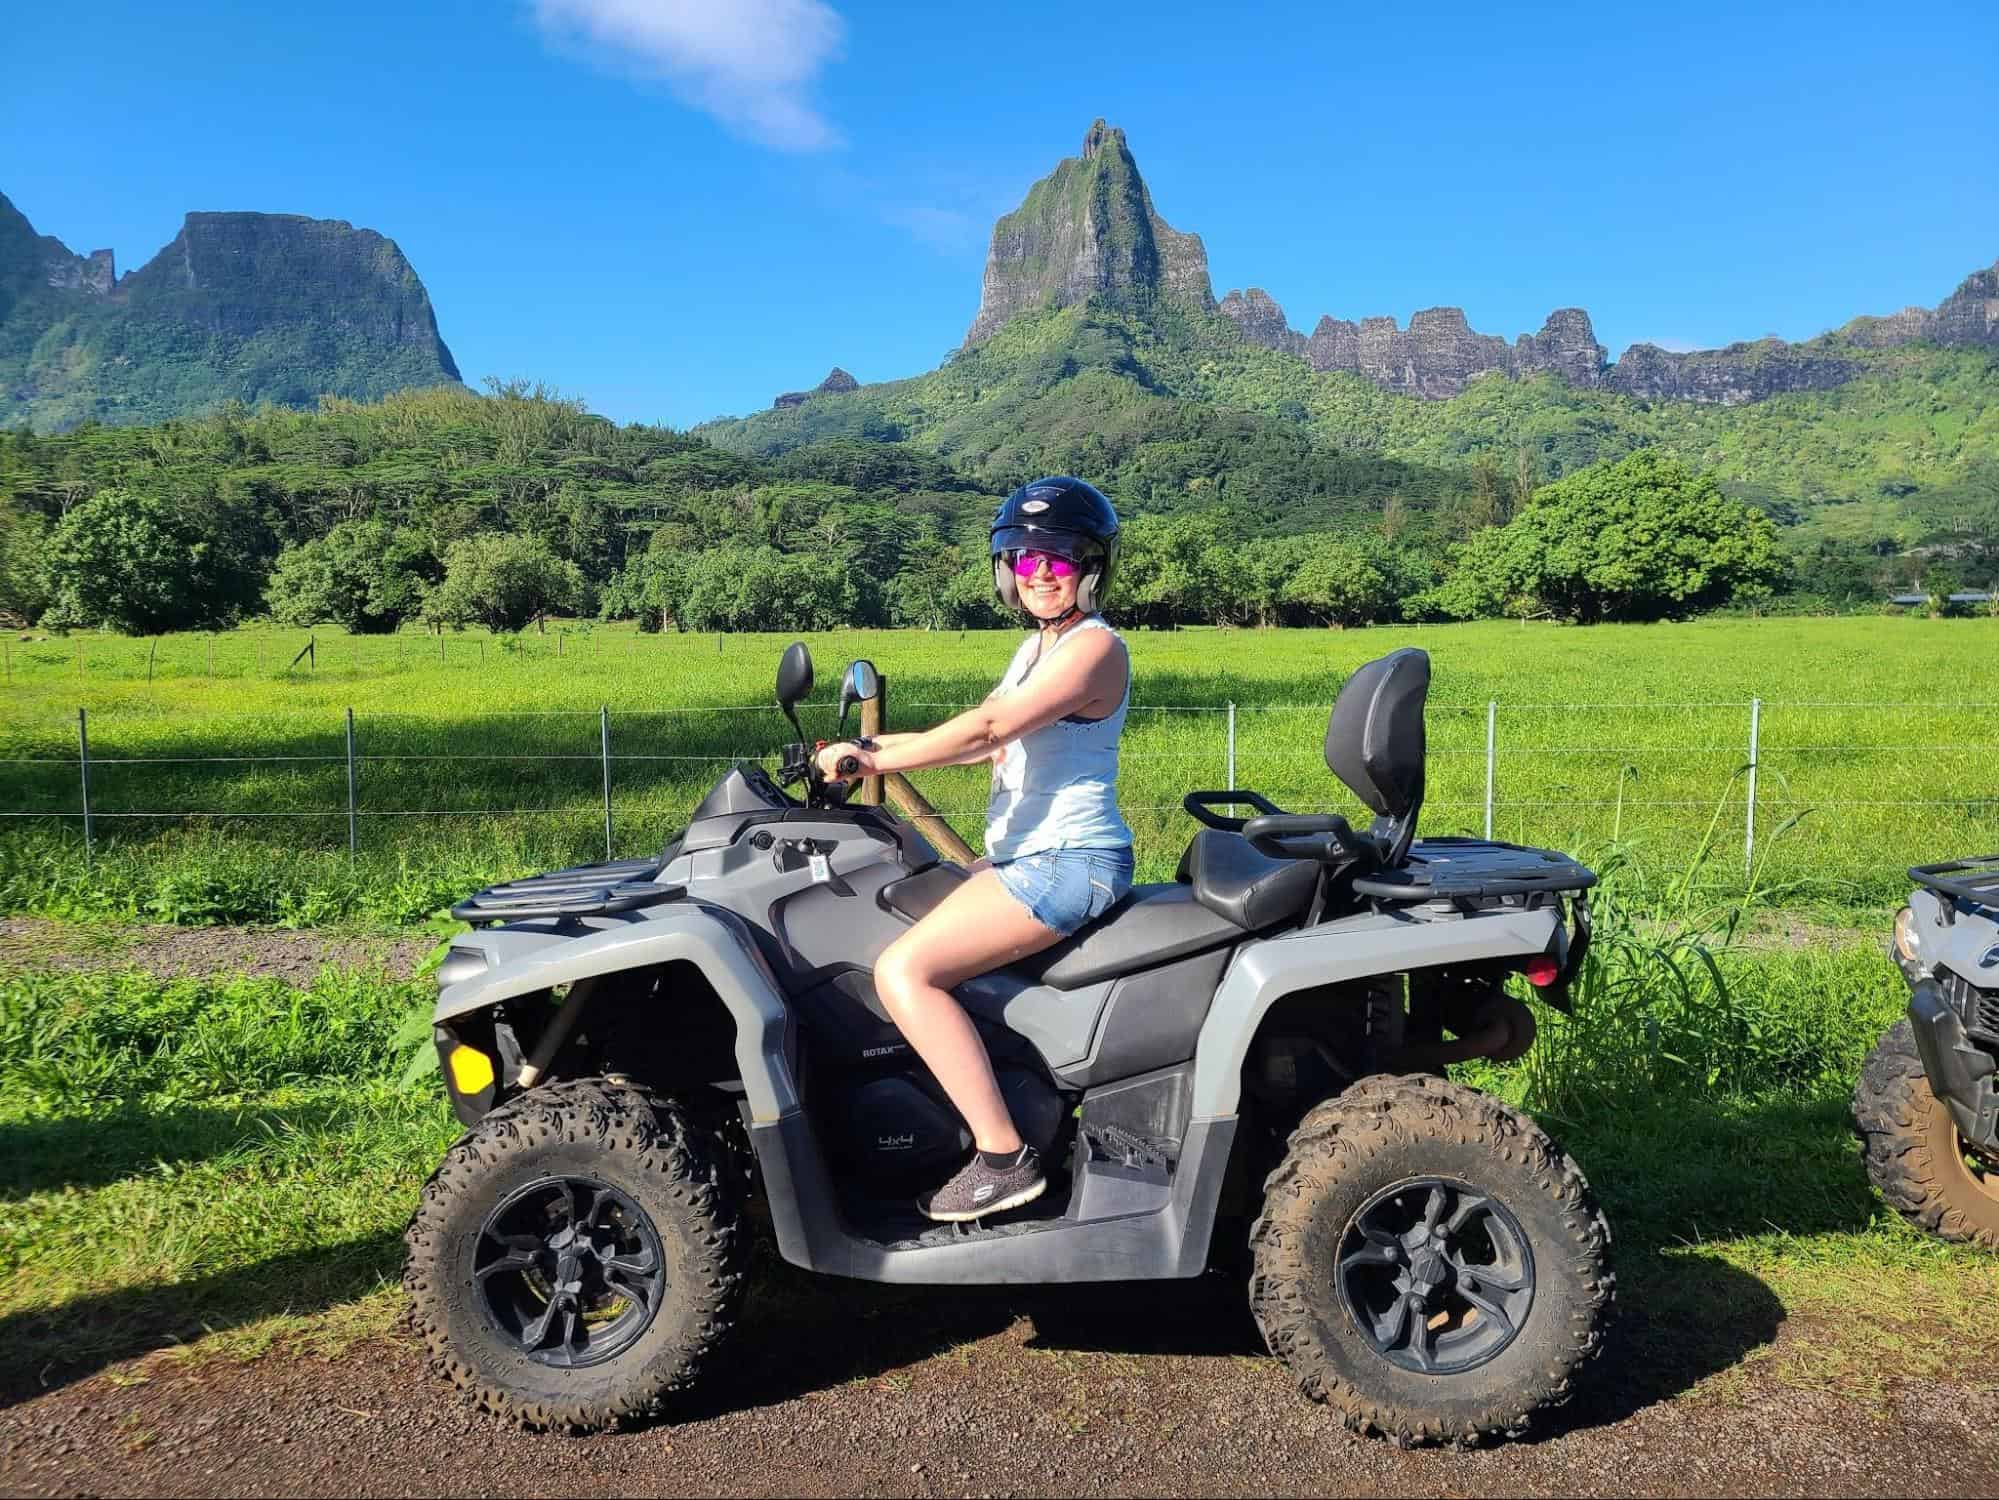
(1429, 1263)
(1913, 1151)
(576, 1255)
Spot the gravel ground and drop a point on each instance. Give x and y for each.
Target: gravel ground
(832, 1389)
(272, 952)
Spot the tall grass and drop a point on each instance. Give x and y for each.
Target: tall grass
(474, 772)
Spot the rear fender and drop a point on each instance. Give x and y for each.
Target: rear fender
(714, 941)
(1351, 948)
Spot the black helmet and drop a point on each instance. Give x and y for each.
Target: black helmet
(1065, 516)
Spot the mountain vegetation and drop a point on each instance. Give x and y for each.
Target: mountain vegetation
(1262, 482)
(238, 306)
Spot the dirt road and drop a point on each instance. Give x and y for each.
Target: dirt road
(833, 1388)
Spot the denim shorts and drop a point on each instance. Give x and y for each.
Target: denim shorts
(1065, 888)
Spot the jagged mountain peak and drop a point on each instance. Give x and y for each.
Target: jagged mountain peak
(1088, 229)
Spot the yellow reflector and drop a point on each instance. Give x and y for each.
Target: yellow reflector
(471, 1069)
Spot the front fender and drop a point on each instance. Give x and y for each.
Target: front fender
(522, 962)
(1357, 947)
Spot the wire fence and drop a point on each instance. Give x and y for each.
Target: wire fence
(1923, 784)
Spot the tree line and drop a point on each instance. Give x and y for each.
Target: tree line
(446, 508)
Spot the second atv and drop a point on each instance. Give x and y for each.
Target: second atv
(1927, 1105)
(1250, 1056)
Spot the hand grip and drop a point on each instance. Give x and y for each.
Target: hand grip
(1267, 834)
(1198, 803)
(848, 765)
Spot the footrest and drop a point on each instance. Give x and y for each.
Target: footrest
(1120, 1172)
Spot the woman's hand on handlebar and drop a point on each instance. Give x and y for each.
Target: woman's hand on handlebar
(859, 762)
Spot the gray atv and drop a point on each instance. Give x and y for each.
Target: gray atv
(1926, 1107)
(1247, 1061)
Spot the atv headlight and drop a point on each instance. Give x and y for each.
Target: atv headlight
(1906, 943)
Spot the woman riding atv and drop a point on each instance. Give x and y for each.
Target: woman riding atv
(1058, 852)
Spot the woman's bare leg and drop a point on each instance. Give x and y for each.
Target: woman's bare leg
(979, 926)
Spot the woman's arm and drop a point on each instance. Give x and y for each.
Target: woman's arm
(1089, 670)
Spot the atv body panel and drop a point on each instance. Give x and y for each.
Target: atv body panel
(1954, 990)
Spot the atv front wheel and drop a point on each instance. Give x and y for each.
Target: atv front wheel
(577, 1255)
(1429, 1263)
(1913, 1151)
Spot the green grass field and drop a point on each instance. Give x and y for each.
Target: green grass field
(224, 794)
(237, 1156)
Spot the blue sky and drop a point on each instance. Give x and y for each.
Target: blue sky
(677, 209)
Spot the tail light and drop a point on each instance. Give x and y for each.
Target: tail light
(1541, 971)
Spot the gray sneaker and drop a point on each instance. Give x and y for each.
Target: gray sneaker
(979, 1190)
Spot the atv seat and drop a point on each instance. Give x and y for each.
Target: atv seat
(1248, 888)
(1153, 924)
(1225, 891)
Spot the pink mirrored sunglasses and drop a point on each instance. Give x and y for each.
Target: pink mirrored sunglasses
(1025, 563)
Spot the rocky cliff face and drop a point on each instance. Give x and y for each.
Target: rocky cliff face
(837, 383)
(1088, 229)
(244, 306)
(1439, 354)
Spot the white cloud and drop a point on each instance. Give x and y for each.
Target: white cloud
(749, 63)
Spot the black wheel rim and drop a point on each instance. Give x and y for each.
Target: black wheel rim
(1437, 1276)
(570, 1270)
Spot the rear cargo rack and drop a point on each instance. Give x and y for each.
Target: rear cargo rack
(1975, 880)
(600, 890)
(1467, 869)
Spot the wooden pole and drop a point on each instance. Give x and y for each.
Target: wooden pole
(152, 653)
(914, 806)
(874, 713)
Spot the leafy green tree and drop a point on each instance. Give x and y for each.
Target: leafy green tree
(1640, 539)
(364, 576)
(24, 584)
(760, 588)
(143, 562)
(503, 582)
(1342, 583)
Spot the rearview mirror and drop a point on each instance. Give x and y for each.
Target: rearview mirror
(860, 683)
(863, 684)
(794, 675)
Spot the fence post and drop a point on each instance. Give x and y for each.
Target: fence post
(83, 764)
(1231, 747)
(1749, 823)
(604, 738)
(1491, 740)
(873, 724)
(353, 805)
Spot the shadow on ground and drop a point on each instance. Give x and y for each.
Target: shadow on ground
(44, 1349)
(85, 1151)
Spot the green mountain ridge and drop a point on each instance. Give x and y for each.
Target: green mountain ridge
(247, 307)
(1099, 350)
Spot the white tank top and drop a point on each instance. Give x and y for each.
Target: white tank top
(1057, 787)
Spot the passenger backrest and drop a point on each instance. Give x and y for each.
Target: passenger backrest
(1374, 743)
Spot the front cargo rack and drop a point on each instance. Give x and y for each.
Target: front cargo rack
(601, 890)
(1975, 880)
(1467, 869)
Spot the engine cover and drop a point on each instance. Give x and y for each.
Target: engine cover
(896, 1131)
(897, 1134)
